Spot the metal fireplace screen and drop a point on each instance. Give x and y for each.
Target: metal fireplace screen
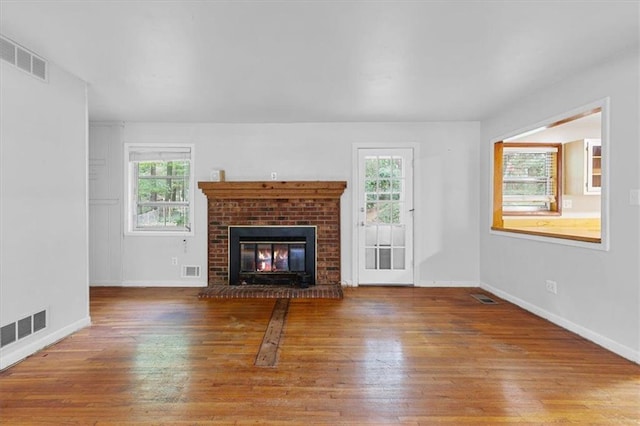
(272, 254)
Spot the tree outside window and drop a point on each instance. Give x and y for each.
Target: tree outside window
(160, 184)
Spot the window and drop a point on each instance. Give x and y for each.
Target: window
(530, 176)
(551, 181)
(160, 189)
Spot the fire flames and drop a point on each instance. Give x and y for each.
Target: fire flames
(268, 263)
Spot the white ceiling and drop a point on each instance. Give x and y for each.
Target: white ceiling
(587, 127)
(317, 61)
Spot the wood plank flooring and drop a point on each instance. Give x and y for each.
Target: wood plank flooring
(268, 354)
(382, 355)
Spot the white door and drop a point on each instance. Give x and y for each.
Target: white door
(385, 216)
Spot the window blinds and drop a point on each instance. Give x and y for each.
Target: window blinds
(139, 154)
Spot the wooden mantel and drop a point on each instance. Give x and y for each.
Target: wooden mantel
(273, 189)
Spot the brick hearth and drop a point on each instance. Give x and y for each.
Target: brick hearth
(310, 203)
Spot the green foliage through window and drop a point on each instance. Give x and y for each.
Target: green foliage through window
(160, 184)
(383, 186)
(529, 178)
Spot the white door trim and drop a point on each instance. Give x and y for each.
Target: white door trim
(417, 188)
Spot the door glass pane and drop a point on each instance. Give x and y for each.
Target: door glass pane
(385, 258)
(384, 212)
(371, 185)
(371, 167)
(384, 238)
(370, 236)
(398, 236)
(398, 258)
(384, 235)
(397, 167)
(396, 213)
(370, 258)
(396, 185)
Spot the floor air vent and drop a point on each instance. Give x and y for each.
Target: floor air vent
(484, 299)
(189, 271)
(23, 59)
(22, 328)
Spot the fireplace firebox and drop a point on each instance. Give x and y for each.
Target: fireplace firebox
(272, 255)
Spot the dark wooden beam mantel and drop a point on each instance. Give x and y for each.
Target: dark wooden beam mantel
(273, 189)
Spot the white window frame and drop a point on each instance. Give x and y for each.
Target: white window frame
(130, 202)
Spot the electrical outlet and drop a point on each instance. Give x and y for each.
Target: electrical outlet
(567, 204)
(174, 260)
(552, 287)
(274, 175)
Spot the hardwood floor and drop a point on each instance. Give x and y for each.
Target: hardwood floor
(379, 356)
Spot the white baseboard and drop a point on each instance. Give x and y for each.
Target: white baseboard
(422, 284)
(163, 284)
(105, 284)
(448, 284)
(17, 355)
(605, 342)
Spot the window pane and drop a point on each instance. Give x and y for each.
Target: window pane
(161, 216)
(529, 178)
(160, 183)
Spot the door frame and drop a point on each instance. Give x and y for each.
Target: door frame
(355, 205)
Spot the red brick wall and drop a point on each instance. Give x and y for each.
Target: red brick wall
(323, 213)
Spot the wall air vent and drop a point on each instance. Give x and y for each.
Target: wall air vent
(23, 59)
(22, 328)
(189, 271)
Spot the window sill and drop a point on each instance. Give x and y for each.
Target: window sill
(571, 234)
(159, 233)
(528, 214)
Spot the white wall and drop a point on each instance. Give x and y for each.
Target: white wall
(43, 224)
(598, 291)
(105, 203)
(446, 218)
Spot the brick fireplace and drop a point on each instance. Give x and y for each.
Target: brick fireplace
(292, 204)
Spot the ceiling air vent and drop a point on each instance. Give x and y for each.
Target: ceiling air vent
(23, 59)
